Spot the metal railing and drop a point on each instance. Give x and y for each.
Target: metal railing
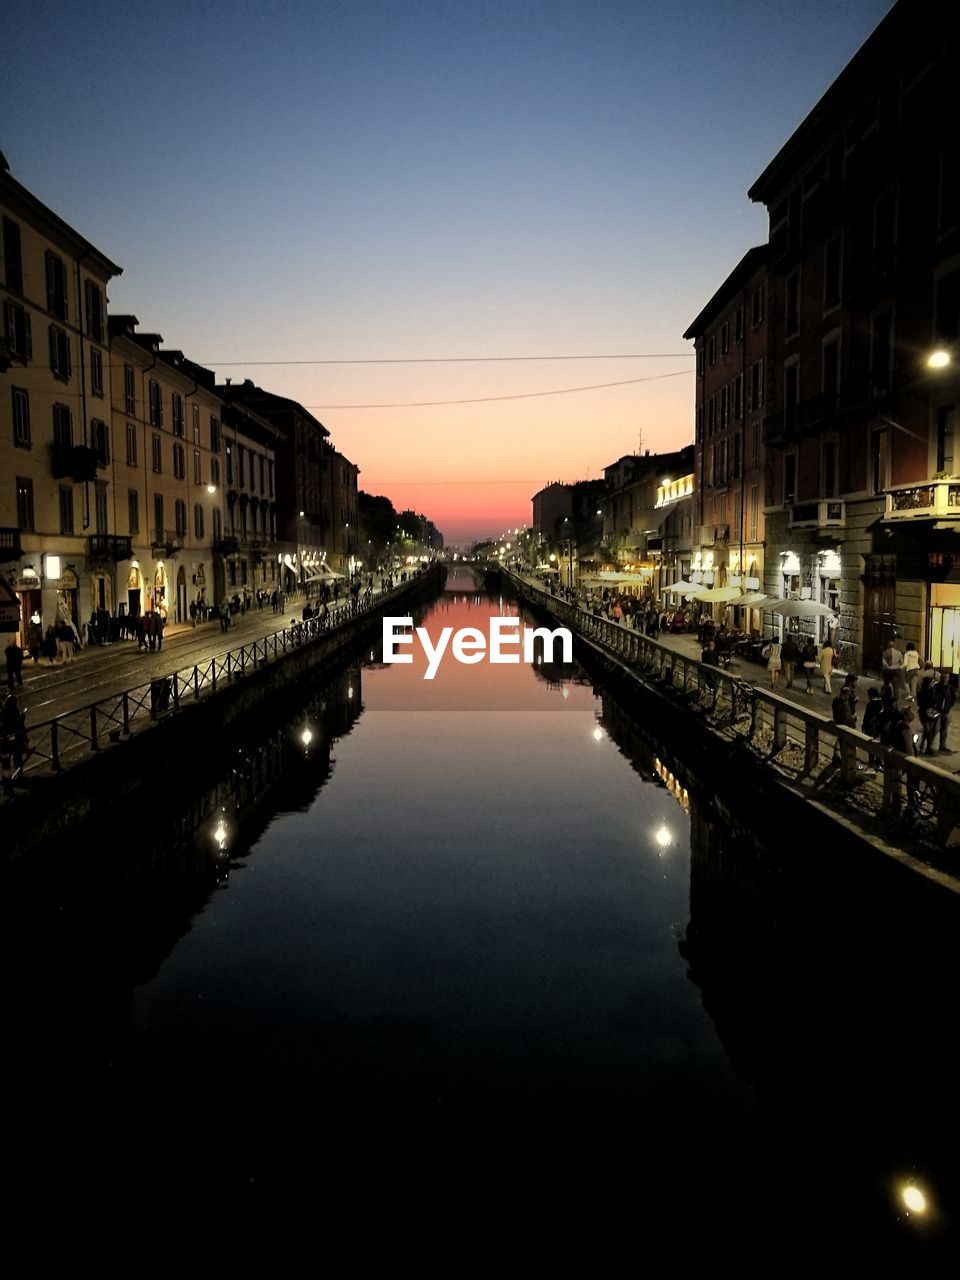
(74, 735)
(834, 762)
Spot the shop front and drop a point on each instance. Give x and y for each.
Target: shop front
(944, 626)
(25, 585)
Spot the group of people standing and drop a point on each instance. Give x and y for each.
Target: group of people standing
(795, 652)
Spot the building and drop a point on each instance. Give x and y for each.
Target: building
(166, 503)
(247, 554)
(863, 473)
(340, 501)
(303, 527)
(676, 499)
(551, 505)
(730, 341)
(56, 502)
(640, 491)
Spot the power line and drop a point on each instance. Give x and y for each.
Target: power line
(523, 395)
(634, 355)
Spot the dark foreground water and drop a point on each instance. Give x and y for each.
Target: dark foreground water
(471, 950)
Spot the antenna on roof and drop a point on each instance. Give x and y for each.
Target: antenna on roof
(639, 443)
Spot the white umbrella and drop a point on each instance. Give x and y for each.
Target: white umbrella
(799, 609)
(724, 595)
(752, 600)
(683, 588)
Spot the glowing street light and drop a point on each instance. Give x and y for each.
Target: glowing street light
(663, 836)
(938, 359)
(913, 1198)
(307, 736)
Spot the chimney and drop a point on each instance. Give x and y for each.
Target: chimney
(227, 380)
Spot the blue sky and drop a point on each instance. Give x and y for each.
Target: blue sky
(302, 181)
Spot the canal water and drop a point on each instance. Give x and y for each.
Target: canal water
(472, 948)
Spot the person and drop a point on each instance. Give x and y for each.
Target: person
(929, 715)
(892, 660)
(772, 653)
(789, 654)
(14, 656)
(193, 612)
(50, 645)
(224, 614)
(945, 698)
(871, 715)
(35, 640)
(13, 728)
(808, 657)
(911, 669)
(850, 682)
(710, 658)
(905, 731)
(842, 710)
(826, 660)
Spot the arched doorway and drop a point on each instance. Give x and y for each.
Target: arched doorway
(181, 594)
(134, 591)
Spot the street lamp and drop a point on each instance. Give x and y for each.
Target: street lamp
(938, 359)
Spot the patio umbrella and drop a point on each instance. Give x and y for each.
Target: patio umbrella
(725, 595)
(799, 609)
(682, 588)
(752, 599)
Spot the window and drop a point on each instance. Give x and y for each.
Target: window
(24, 504)
(699, 421)
(789, 477)
(132, 444)
(133, 510)
(159, 532)
(737, 455)
(270, 477)
(946, 437)
(754, 512)
(880, 460)
(100, 507)
(832, 260)
(180, 517)
(12, 258)
(229, 464)
(262, 490)
(738, 325)
(884, 228)
(712, 351)
(755, 446)
(56, 286)
(198, 521)
(129, 391)
(96, 371)
(215, 471)
(157, 454)
(756, 385)
(831, 370)
(757, 307)
(240, 469)
(156, 404)
(66, 508)
(725, 337)
(62, 426)
(948, 308)
(829, 469)
(711, 415)
(94, 309)
(881, 351)
(724, 408)
(99, 440)
(179, 462)
(253, 473)
(738, 397)
(21, 417)
(176, 416)
(791, 394)
(197, 472)
(217, 526)
(214, 434)
(700, 361)
(196, 424)
(59, 353)
(949, 185)
(792, 309)
(17, 330)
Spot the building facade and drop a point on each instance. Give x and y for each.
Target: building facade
(863, 475)
(641, 492)
(340, 484)
(55, 483)
(730, 341)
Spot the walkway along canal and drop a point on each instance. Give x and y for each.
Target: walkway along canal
(905, 808)
(476, 959)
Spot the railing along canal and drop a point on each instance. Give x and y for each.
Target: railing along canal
(831, 760)
(69, 737)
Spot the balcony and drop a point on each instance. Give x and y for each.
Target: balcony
(73, 461)
(109, 547)
(825, 514)
(714, 535)
(226, 546)
(10, 548)
(168, 540)
(931, 500)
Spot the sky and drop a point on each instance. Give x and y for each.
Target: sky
(441, 183)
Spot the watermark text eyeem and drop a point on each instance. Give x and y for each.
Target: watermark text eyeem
(470, 645)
